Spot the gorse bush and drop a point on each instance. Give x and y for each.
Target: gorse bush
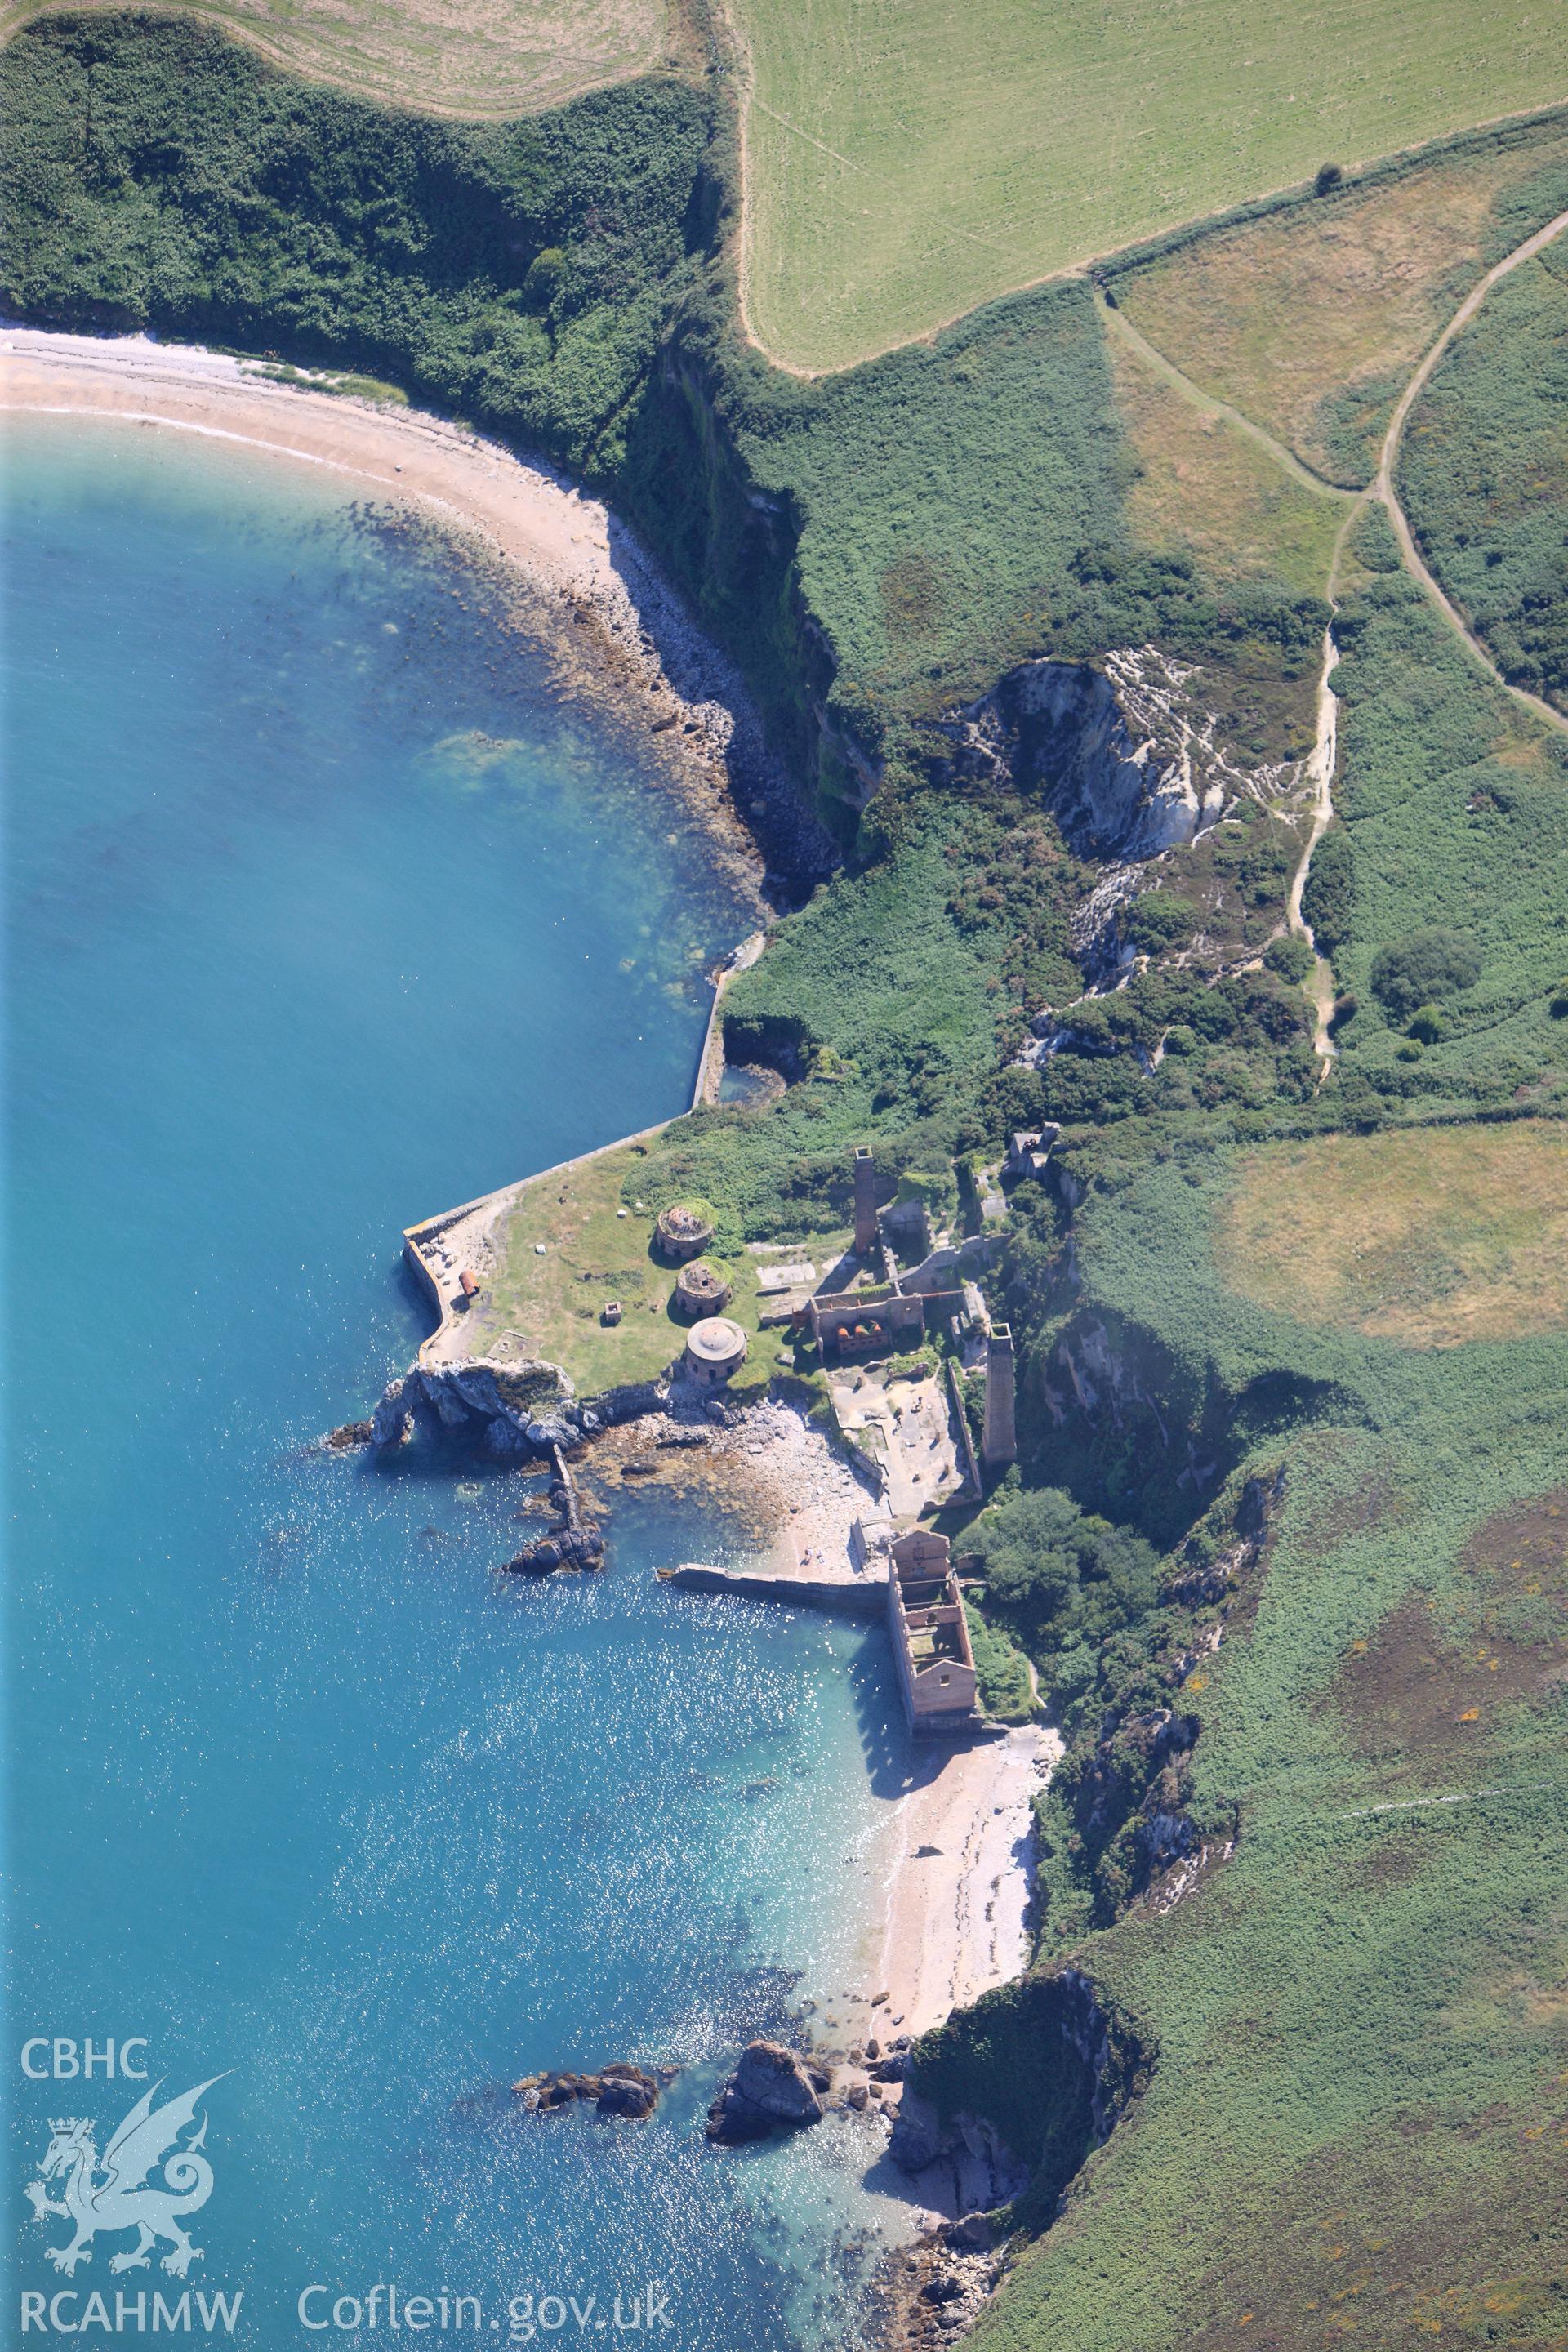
(1416, 970)
(1290, 957)
(1157, 919)
(1061, 1581)
(1483, 473)
(1328, 902)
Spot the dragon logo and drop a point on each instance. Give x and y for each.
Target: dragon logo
(115, 2192)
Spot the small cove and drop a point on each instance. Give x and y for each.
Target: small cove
(327, 908)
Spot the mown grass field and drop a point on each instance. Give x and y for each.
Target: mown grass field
(1432, 1239)
(904, 165)
(1311, 319)
(473, 58)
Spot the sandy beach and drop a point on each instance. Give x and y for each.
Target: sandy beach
(551, 531)
(949, 1871)
(554, 539)
(954, 1870)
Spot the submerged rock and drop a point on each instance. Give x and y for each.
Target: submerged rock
(771, 2086)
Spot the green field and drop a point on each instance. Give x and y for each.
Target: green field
(474, 58)
(1483, 473)
(903, 165)
(598, 1247)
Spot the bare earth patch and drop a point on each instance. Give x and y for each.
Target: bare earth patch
(474, 58)
(1432, 1237)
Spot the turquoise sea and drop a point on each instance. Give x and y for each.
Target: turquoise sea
(324, 909)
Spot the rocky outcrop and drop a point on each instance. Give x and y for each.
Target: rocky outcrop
(349, 1435)
(772, 2086)
(517, 1412)
(962, 2163)
(566, 1547)
(1124, 757)
(931, 2292)
(618, 2090)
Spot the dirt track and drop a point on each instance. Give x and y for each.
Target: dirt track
(1383, 486)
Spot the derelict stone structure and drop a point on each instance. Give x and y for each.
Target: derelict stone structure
(681, 1234)
(858, 1322)
(930, 1636)
(715, 1350)
(865, 1201)
(700, 1289)
(999, 1442)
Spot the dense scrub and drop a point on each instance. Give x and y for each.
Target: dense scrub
(1483, 473)
(157, 176)
(1359, 2045)
(1455, 820)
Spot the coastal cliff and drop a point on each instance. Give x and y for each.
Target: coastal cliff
(1124, 756)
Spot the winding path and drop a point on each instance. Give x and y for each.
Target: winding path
(1118, 324)
(1321, 763)
(1319, 772)
(1382, 486)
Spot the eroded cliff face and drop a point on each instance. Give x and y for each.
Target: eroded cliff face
(1021, 2086)
(1124, 756)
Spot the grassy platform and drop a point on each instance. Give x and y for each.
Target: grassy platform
(1432, 1238)
(553, 1306)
